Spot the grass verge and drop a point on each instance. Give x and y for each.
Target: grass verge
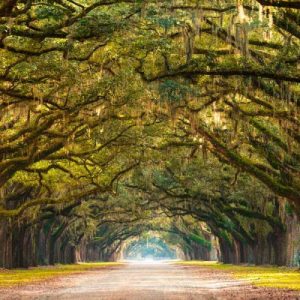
(275, 277)
(10, 278)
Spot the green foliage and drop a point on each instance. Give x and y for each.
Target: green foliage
(49, 12)
(173, 91)
(93, 26)
(289, 209)
(163, 179)
(79, 85)
(148, 247)
(166, 23)
(200, 240)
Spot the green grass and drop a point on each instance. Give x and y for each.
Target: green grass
(275, 277)
(9, 278)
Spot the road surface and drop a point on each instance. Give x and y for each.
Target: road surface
(139, 281)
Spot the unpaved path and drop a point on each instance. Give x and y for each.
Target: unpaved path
(139, 281)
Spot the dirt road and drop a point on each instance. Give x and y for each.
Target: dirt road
(155, 281)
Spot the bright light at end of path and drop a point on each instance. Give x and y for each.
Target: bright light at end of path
(148, 261)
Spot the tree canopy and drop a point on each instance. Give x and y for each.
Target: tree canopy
(118, 114)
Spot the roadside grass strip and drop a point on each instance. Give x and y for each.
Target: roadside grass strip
(15, 277)
(264, 276)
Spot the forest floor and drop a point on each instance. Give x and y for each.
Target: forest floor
(155, 281)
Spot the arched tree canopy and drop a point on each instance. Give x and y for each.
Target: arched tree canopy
(115, 115)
